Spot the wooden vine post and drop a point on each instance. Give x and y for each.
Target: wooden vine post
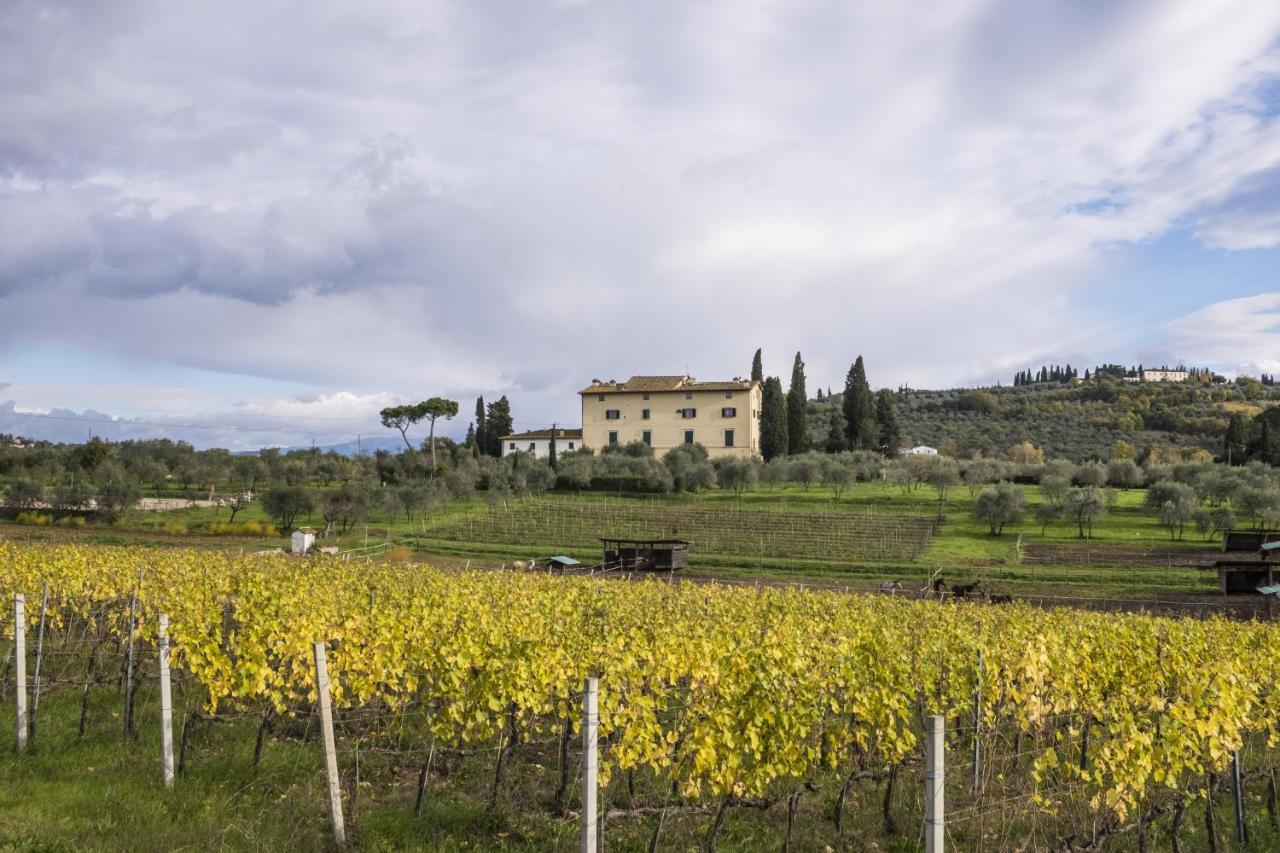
(330, 747)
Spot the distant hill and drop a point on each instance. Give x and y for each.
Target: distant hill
(350, 449)
(1073, 421)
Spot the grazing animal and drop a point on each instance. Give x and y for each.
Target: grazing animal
(891, 587)
(964, 590)
(939, 585)
(1001, 598)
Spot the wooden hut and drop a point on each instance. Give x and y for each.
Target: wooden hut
(646, 555)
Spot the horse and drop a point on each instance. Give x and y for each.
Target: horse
(963, 590)
(891, 587)
(1002, 598)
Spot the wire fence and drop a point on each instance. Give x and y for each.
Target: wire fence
(994, 791)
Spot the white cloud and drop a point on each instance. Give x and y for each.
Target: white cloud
(1241, 333)
(465, 197)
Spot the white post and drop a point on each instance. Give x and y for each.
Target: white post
(20, 665)
(330, 749)
(166, 702)
(934, 809)
(590, 763)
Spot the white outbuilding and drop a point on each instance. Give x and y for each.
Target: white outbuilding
(920, 450)
(538, 442)
(303, 539)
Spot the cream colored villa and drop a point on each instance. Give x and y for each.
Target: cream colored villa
(666, 411)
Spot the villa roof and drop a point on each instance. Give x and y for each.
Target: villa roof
(664, 383)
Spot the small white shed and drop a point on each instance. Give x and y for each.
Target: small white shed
(303, 539)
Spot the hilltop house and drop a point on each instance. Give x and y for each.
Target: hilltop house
(1165, 375)
(538, 442)
(919, 450)
(667, 411)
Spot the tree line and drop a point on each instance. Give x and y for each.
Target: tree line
(863, 421)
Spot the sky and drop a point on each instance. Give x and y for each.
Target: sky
(250, 224)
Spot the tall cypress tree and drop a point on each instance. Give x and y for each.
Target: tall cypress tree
(757, 368)
(551, 449)
(482, 433)
(887, 423)
(859, 409)
(836, 440)
(773, 420)
(1235, 439)
(497, 424)
(797, 410)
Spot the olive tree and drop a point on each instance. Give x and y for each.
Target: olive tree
(999, 506)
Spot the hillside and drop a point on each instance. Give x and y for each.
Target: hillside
(1071, 421)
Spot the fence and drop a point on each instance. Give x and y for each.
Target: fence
(988, 798)
(727, 530)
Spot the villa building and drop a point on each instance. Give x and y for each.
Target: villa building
(667, 411)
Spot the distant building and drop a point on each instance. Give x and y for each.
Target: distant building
(919, 450)
(538, 442)
(303, 538)
(1165, 375)
(667, 411)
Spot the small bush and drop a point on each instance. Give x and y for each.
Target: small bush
(399, 554)
(36, 518)
(247, 528)
(70, 521)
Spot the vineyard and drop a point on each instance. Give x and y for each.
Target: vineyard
(718, 706)
(568, 522)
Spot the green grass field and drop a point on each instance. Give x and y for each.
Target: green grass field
(961, 548)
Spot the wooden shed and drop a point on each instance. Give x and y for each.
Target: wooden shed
(1248, 540)
(1244, 576)
(656, 555)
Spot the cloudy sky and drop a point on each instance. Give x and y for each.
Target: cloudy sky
(248, 223)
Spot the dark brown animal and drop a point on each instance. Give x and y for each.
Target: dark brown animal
(1000, 599)
(964, 590)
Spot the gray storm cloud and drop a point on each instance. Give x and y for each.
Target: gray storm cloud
(403, 197)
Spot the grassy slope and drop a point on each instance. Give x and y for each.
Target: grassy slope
(962, 549)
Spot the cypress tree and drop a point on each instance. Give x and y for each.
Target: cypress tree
(551, 449)
(836, 440)
(797, 410)
(1235, 439)
(481, 433)
(887, 423)
(773, 420)
(497, 424)
(757, 368)
(859, 409)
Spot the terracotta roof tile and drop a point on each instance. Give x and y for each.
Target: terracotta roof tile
(663, 383)
(544, 433)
